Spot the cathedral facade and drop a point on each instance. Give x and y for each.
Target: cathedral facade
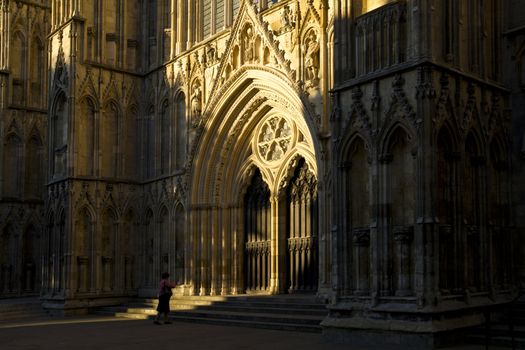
(366, 151)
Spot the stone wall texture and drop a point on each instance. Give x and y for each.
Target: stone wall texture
(370, 152)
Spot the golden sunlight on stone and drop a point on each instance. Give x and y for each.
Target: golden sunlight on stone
(363, 153)
(373, 4)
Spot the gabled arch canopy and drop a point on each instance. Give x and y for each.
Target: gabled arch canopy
(224, 149)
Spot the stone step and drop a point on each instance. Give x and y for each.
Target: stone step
(292, 299)
(311, 305)
(232, 306)
(251, 324)
(258, 315)
(287, 313)
(288, 326)
(225, 307)
(252, 316)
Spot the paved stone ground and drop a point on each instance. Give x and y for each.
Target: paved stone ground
(99, 333)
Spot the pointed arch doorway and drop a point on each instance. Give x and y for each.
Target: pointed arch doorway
(294, 257)
(301, 226)
(253, 218)
(257, 236)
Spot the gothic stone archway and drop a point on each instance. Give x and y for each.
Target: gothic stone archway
(255, 145)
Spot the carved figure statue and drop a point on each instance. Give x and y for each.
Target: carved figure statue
(286, 17)
(311, 59)
(196, 104)
(249, 45)
(210, 53)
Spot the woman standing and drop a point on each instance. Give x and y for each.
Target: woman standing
(165, 294)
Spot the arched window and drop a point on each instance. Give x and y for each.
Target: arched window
(149, 143)
(149, 251)
(165, 139)
(471, 184)
(131, 146)
(109, 141)
(236, 6)
(86, 138)
(12, 166)
(445, 178)
(219, 15)
(108, 249)
(84, 229)
(471, 195)
(111, 29)
(358, 206)
(206, 19)
(129, 249)
(152, 31)
(498, 178)
(402, 178)
(165, 240)
(400, 189)
(180, 229)
(166, 26)
(37, 72)
(31, 260)
(499, 214)
(59, 136)
(18, 68)
(181, 130)
(445, 209)
(34, 177)
(8, 258)
(359, 185)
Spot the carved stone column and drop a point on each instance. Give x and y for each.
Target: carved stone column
(226, 260)
(214, 252)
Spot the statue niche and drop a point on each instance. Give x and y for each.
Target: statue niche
(196, 102)
(288, 19)
(248, 40)
(311, 59)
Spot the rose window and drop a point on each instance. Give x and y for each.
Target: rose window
(275, 138)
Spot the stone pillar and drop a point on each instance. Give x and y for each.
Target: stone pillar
(226, 266)
(4, 38)
(280, 241)
(191, 251)
(173, 23)
(215, 245)
(182, 25)
(237, 251)
(191, 23)
(203, 244)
